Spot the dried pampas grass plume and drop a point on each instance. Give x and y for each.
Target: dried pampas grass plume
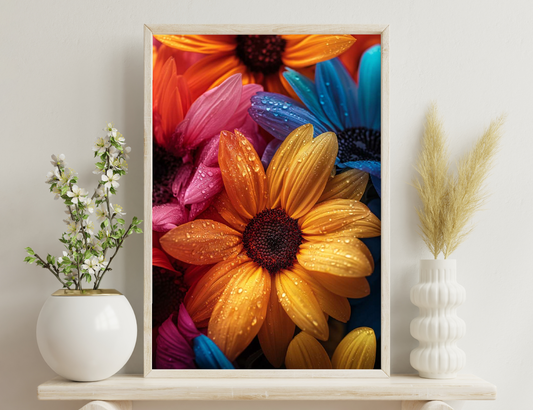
(449, 201)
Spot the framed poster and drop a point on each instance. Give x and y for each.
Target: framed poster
(266, 201)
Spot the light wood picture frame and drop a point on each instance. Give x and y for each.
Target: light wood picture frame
(285, 375)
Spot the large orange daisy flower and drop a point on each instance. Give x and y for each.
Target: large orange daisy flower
(259, 58)
(289, 254)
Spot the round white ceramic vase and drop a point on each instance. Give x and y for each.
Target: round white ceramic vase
(437, 327)
(88, 336)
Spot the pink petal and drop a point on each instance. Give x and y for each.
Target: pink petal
(241, 113)
(168, 216)
(198, 208)
(206, 183)
(181, 181)
(208, 152)
(160, 258)
(186, 325)
(173, 351)
(210, 112)
(251, 131)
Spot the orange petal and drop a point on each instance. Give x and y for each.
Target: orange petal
(304, 50)
(242, 173)
(342, 256)
(207, 44)
(308, 174)
(331, 216)
(354, 288)
(241, 310)
(305, 352)
(208, 71)
(300, 303)
(352, 56)
(277, 330)
(356, 351)
(349, 184)
(224, 207)
(282, 159)
(202, 298)
(202, 242)
(334, 305)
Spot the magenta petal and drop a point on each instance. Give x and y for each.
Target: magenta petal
(173, 350)
(186, 326)
(241, 113)
(199, 207)
(181, 181)
(168, 216)
(206, 183)
(251, 131)
(208, 152)
(210, 113)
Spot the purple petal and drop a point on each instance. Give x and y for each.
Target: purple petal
(168, 216)
(251, 131)
(270, 150)
(186, 326)
(206, 183)
(173, 351)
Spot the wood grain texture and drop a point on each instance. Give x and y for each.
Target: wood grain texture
(384, 31)
(108, 405)
(397, 387)
(425, 405)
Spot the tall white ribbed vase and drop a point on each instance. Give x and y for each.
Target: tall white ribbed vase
(437, 327)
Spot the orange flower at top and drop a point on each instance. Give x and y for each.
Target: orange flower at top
(289, 253)
(259, 58)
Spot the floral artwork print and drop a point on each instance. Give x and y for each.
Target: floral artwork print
(266, 202)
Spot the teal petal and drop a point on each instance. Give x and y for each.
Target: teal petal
(208, 355)
(369, 91)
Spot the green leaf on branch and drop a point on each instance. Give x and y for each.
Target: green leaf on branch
(112, 190)
(29, 259)
(121, 221)
(137, 229)
(30, 251)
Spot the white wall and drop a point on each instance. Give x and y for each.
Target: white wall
(68, 67)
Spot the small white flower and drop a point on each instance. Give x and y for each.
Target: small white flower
(120, 139)
(101, 145)
(110, 179)
(101, 260)
(89, 228)
(100, 194)
(119, 163)
(77, 194)
(58, 161)
(96, 244)
(113, 152)
(66, 176)
(57, 191)
(53, 176)
(91, 265)
(90, 205)
(118, 211)
(111, 132)
(72, 227)
(101, 214)
(126, 152)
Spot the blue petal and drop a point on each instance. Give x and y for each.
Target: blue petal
(280, 115)
(269, 152)
(377, 184)
(372, 167)
(337, 93)
(369, 91)
(367, 311)
(208, 355)
(306, 90)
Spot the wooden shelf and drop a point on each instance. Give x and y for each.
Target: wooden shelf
(397, 387)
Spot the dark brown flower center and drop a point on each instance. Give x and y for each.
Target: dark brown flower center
(165, 166)
(168, 292)
(359, 144)
(261, 53)
(272, 240)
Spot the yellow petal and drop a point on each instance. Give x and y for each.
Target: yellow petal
(199, 44)
(243, 174)
(282, 159)
(202, 242)
(367, 227)
(226, 210)
(308, 174)
(204, 295)
(331, 216)
(349, 184)
(241, 310)
(356, 351)
(277, 330)
(343, 256)
(353, 288)
(300, 303)
(334, 305)
(305, 352)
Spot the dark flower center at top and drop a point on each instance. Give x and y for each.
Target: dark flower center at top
(272, 240)
(261, 53)
(165, 166)
(359, 144)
